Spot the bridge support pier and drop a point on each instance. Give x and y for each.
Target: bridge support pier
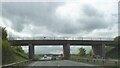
(66, 51)
(31, 51)
(99, 49)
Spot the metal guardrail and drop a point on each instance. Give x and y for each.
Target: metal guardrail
(60, 38)
(95, 61)
(16, 64)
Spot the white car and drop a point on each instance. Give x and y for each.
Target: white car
(46, 58)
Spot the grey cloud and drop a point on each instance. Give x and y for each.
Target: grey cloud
(43, 14)
(93, 19)
(37, 13)
(91, 11)
(89, 24)
(65, 27)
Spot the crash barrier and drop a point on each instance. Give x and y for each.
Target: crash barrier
(103, 62)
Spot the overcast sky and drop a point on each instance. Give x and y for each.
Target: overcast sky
(84, 18)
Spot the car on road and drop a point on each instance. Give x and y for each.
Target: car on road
(46, 58)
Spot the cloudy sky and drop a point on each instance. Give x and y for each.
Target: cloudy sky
(80, 18)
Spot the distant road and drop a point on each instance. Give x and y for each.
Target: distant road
(59, 63)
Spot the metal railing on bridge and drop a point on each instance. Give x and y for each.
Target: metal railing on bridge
(60, 38)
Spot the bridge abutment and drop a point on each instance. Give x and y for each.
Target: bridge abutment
(31, 51)
(99, 49)
(66, 51)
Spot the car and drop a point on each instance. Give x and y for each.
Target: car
(46, 58)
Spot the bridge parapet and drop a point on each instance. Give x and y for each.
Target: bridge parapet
(61, 38)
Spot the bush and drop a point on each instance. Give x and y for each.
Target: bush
(7, 53)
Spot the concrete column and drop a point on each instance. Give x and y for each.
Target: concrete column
(31, 51)
(99, 49)
(66, 51)
(103, 51)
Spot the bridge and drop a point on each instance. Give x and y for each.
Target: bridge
(98, 44)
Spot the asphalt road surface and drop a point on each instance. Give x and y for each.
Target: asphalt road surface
(58, 63)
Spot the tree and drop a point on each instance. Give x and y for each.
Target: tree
(108, 48)
(82, 51)
(90, 53)
(7, 53)
(118, 46)
(117, 38)
(3, 34)
(113, 51)
(19, 49)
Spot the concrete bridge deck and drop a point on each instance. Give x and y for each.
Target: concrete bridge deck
(61, 41)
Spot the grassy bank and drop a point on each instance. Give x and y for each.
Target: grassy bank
(12, 54)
